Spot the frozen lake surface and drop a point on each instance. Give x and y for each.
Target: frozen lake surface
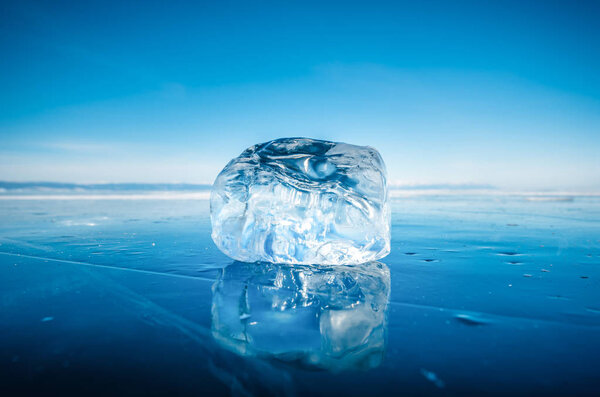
(481, 295)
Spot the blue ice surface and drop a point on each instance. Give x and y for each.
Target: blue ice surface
(487, 295)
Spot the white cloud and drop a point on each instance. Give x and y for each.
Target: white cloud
(85, 147)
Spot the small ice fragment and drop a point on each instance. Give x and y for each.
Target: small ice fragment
(469, 320)
(302, 201)
(433, 378)
(46, 319)
(509, 253)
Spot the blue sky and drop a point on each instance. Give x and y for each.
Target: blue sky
(506, 93)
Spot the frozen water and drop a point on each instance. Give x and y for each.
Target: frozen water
(130, 315)
(330, 317)
(302, 201)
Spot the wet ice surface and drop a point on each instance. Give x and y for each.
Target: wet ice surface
(487, 296)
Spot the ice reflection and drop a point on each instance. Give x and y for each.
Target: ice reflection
(321, 317)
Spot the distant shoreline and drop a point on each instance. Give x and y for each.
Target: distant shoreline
(60, 186)
(188, 191)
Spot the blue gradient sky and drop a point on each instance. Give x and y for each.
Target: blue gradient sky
(506, 94)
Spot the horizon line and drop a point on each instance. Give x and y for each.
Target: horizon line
(139, 190)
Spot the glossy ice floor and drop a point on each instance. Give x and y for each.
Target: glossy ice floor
(480, 296)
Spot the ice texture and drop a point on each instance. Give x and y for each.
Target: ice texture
(302, 201)
(327, 317)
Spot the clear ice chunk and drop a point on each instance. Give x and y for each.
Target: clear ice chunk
(327, 317)
(302, 201)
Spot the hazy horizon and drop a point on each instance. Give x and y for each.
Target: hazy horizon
(189, 190)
